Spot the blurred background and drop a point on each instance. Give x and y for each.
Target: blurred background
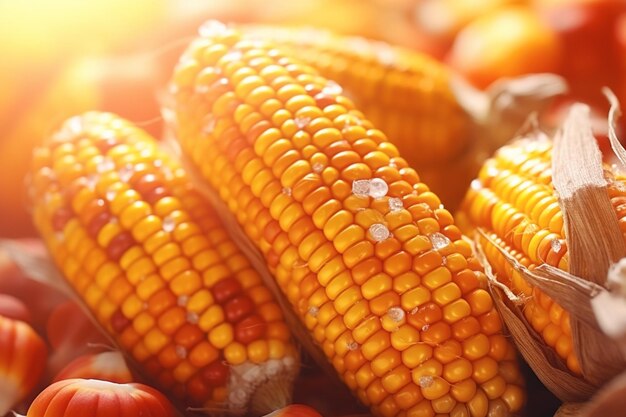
(62, 57)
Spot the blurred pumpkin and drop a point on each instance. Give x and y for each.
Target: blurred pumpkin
(587, 30)
(507, 42)
(22, 361)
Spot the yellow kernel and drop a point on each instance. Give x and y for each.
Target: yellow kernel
(133, 213)
(258, 351)
(437, 277)
(417, 354)
(213, 316)
(376, 285)
(415, 298)
(235, 353)
(221, 335)
(457, 370)
(485, 368)
(463, 391)
(155, 340)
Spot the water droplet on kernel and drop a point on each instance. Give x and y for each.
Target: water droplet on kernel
(126, 172)
(395, 204)
(314, 311)
(438, 240)
(378, 188)
(476, 184)
(302, 122)
(426, 381)
(233, 55)
(105, 165)
(181, 351)
(379, 232)
(182, 300)
(192, 317)
(425, 327)
(317, 167)
(169, 224)
(287, 191)
(556, 245)
(396, 314)
(353, 346)
(361, 188)
(110, 195)
(332, 88)
(209, 124)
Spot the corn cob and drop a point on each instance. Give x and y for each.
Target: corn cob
(154, 265)
(513, 201)
(369, 260)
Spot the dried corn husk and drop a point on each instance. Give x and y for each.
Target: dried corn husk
(593, 291)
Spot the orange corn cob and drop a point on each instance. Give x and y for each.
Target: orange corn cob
(154, 265)
(369, 260)
(514, 202)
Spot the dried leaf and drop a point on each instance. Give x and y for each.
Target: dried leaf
(503, 110)
(614, 113)
(593, 235)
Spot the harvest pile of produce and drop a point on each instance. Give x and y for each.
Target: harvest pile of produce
(285, 211)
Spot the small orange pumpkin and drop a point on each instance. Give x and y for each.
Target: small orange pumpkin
(96, 398)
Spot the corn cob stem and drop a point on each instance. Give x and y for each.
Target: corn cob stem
(363, 251)
(154, 265)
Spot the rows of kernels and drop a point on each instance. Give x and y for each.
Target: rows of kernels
(150, 258)
(514, 201)
(371, 263)
(404, 93)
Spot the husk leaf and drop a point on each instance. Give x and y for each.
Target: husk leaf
(501, 110)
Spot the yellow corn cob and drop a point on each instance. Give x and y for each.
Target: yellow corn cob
(514, 202)
(371, 263)
(154, 265)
